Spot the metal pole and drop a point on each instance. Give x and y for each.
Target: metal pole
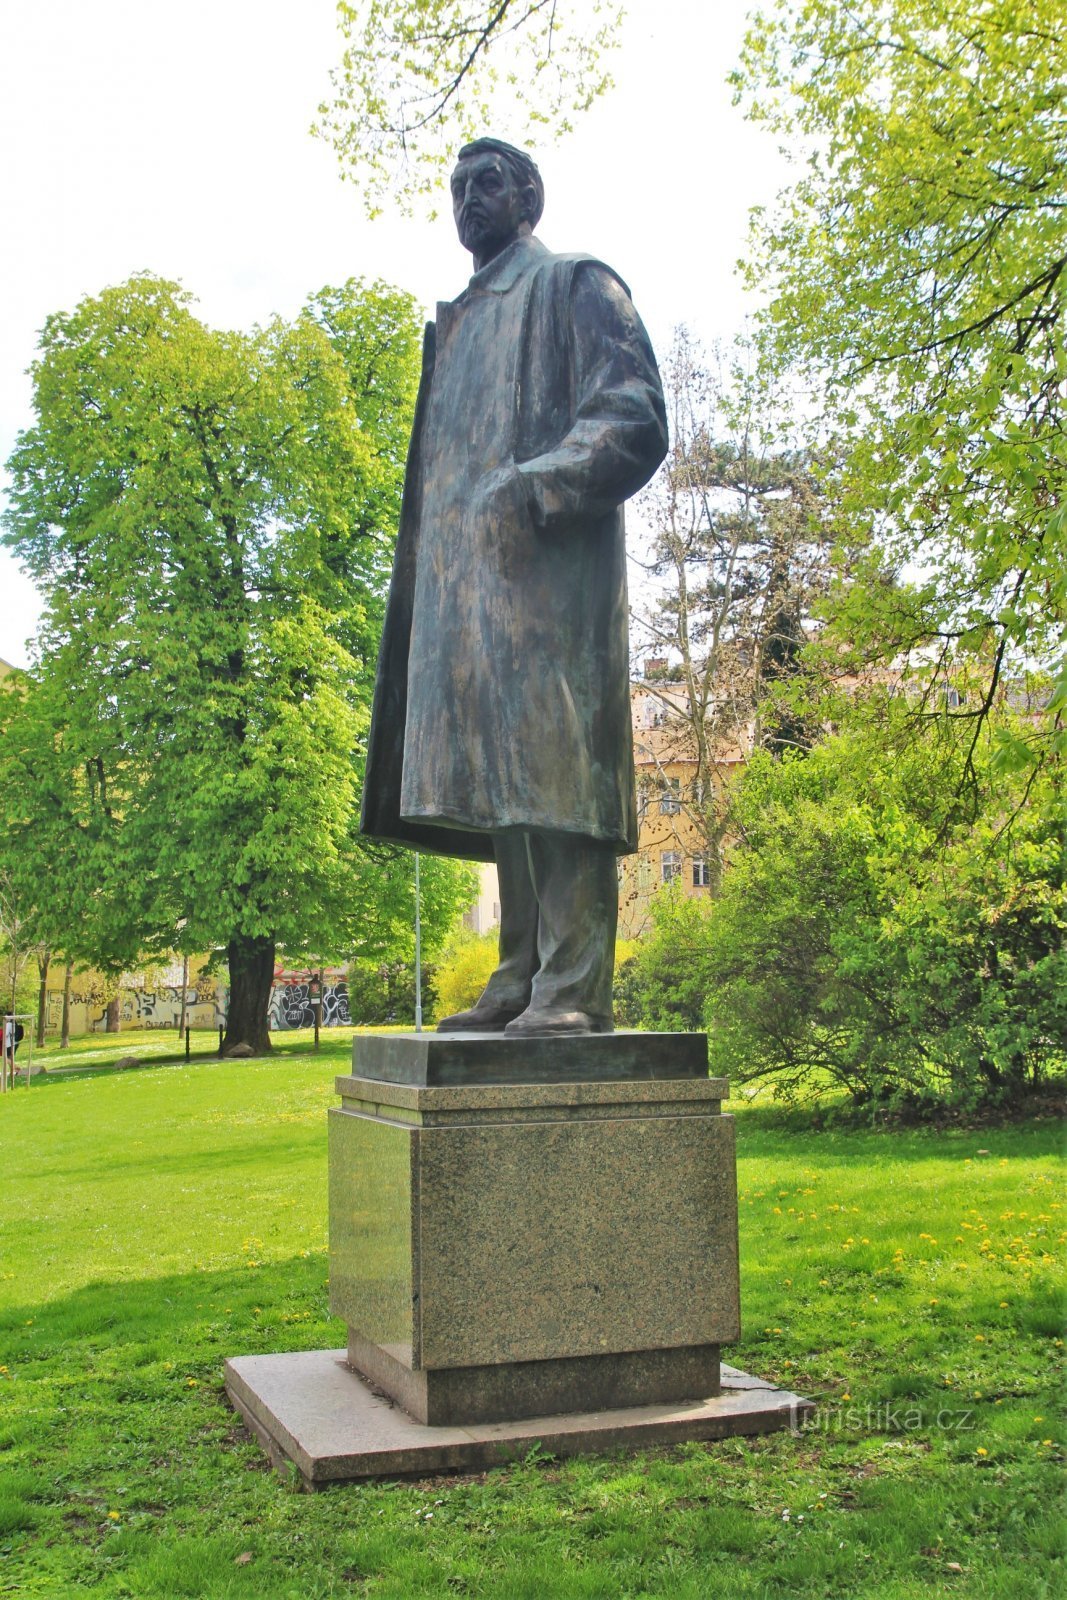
(318, 1009)
(185, 992)
(418, 948)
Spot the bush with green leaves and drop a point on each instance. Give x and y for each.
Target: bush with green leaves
(468, 961)
(880, 929)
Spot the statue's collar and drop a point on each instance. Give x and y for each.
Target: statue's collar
(505, 270)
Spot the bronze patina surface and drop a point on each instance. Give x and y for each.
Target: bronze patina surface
(501, 721)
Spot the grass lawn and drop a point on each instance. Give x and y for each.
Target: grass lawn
(158, 1220)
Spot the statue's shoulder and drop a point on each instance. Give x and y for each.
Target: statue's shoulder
(563, 267)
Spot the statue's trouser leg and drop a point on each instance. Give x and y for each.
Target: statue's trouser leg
(576, 884)
(510, 983)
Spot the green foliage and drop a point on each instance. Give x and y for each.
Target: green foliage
(869, 937)
(663, 984)
(467, 963)
(210, 516)
(56, 830)
(916, 273)
(385, 995)
(873, 933)
(419, 77)
(159, 1221)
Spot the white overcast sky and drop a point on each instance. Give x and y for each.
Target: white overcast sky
(136, 135)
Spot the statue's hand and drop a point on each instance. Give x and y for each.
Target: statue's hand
(501, 498)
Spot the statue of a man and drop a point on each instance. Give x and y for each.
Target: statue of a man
(501, 722)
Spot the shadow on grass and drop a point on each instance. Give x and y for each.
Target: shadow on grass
(107, 1330)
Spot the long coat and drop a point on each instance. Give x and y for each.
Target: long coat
(502, 695)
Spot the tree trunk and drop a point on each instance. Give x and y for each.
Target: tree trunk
(44, 959)
(64, 1035)
(111, 1017)
(251, 976)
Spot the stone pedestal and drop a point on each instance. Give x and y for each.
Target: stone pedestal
(507, 1248)
(529, 1239)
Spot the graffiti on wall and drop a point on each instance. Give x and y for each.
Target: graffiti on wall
(162, 1008)
(292, 1005)
(87, 1011)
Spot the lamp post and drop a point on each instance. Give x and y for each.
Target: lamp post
(418, 948)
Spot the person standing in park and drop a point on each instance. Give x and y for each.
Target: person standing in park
(501, 722)
(14, 1034)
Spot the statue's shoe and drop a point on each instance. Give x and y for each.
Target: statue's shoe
(536, 1024)
(481, 1019)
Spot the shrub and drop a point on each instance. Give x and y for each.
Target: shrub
(385, 995)
(874, 934)
(882, 928)
(466, 964)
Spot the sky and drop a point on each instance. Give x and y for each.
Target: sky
(176, 140)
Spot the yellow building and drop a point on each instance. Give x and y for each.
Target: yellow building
(670, 803)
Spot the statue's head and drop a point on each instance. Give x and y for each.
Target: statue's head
(497, 197)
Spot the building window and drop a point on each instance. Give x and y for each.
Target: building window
(671, 799)
(701, 875)
(670, 865)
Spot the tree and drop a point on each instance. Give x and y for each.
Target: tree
(737, 558)
(15, 946)
(869, 939)
(417, 78)
(210, 516)
(55, 834)
(916, 271)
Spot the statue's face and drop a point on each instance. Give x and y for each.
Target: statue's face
(488, 205)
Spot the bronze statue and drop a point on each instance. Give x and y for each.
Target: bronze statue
(501, 722)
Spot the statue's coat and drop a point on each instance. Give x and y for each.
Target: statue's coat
(502, 695)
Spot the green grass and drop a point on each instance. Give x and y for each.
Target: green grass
(156, 1221)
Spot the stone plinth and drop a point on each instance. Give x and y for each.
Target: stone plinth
(532, 1242)
(311, 1412)
(506, 1249)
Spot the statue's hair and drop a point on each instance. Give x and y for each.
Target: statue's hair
(522, 167)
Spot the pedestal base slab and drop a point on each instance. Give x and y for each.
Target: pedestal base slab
(462, 1395)
(309, 1410)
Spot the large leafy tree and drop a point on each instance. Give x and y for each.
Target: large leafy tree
(56, 834)
(916, 271)
(210, 517)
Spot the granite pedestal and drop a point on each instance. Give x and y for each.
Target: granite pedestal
(520, 1230)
